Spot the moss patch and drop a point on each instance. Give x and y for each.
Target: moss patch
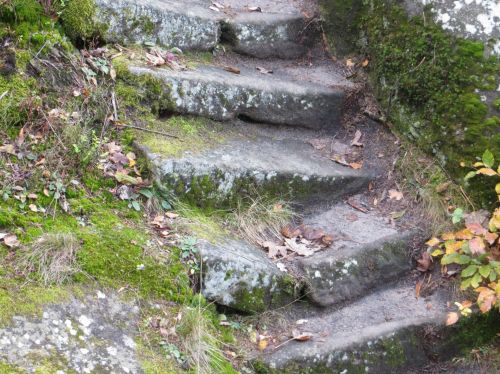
(428, 81)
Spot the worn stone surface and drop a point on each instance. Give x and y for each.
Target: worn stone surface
(265, 35)
(257, 164)
(239, 275)
(378, 334)
(475, 19)
(171, 23)
(220, 95)
(192, 25)
(368, 252)
(95, 334)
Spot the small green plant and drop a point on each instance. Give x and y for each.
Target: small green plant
(189, 253)
(476, 248)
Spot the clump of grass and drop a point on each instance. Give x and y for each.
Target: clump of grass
(199, 342)
(262, 219)
(52, 257)
(430, 186)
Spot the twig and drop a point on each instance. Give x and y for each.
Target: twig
(4, 94)
(148, 130)
(113, 100)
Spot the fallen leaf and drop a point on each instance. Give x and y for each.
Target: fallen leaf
(312, 234)
(451, 318)
(319, 144)
(301, 321)
(232, 69)
(356, 165)
(395, 195)
(352, 217)
(300, 248)
(418, 287)
(3, 235)
(349, 63)
(365, 63)
(424, 262)
(274, 249)
(440, 188)
(262, 70)
(11, 241)
(255, 9)
(357, 137)
(398, 215)
(433, 242)
(8, 148)
(263, 344)
(290, 232)
(327, 240)
(301, 336)
(33, 208)
(477, 246)
(32, 196)
(281, 267)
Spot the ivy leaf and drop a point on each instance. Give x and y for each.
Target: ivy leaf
(457, 215)
(470, 174)
(485, 270)
(469, 271)
(488, 158)
(476, 279)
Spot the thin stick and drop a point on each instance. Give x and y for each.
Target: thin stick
(4, 94)
(113, 99)
(148, 130)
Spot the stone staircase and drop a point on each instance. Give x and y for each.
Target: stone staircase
(356, 296)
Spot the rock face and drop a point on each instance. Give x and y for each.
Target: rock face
(221, 95)
(478, 20)
(94, 334)
(239, 275)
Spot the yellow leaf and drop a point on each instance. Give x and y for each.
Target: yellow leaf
(437, 252)
(487, 171)
(451, 318)
(433, 242)
(478, 164)
(263, 344)
(464, 234)
(448, 236)
(453, 246)
(497, 188)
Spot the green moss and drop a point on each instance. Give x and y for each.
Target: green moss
(426, 80)
(78, 20)
(19, 89)
(6, 368)
(251, 301)
(16, 299)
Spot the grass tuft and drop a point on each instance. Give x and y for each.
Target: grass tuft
(52, 257)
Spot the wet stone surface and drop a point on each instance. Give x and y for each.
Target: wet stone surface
(88, 335)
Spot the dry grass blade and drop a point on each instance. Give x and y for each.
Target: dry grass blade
(199, 341)
(52, 257)
(262, 220)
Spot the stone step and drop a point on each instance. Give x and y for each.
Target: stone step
(253, 160)
(239, 275)
(386, 332)
(367, 252)
(212, 92)
(280, 30)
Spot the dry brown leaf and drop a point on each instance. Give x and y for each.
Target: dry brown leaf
(290, 232)
(319, 144)
(477, 246)
(302, 249)
(440, 188)
(349, 63)
(451, 318)
(395, 195)
(255, 9)
(356, 165)
(33, 208)
(274, 249)
(424, 262)
(365, 63)
(357, 137)
(301, 336)
(11, 241)
(312, 234)
(8, 148)
(232, 69)
(171, 215)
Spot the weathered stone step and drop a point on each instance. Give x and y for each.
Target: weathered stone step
(192, 25)
(212, 92)
(255, 160)
(381, 333)
(367, 252)
(239, 275)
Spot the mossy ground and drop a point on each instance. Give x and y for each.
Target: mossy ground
(428, 81)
